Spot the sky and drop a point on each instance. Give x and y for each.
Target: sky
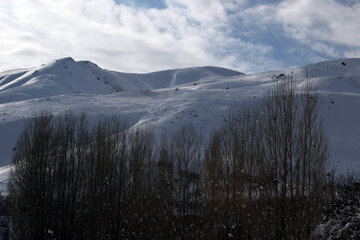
(151, 35)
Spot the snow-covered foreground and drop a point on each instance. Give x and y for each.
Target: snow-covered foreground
(165, 100)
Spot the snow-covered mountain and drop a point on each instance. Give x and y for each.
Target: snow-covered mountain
(65, 76)
(167, 99)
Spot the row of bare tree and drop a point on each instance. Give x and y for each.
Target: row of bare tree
(260, 176)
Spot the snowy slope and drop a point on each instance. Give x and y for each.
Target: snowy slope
(165, 100)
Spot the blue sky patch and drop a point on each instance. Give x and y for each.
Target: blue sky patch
(158, 4)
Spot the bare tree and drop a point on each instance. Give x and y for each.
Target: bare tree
(265, 169)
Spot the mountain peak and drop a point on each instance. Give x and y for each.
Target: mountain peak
(61, 62)
(64, 60)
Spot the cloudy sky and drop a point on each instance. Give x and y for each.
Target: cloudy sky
(150, 35)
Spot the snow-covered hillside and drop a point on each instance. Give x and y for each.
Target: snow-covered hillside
(165, 100)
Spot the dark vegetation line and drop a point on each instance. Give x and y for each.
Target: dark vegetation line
(260, 176)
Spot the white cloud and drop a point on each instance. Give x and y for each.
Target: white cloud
(120, 37)
(325, 49)
(322, 28)
(329, 21)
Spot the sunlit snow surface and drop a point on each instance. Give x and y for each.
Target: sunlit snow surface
(165, 100)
